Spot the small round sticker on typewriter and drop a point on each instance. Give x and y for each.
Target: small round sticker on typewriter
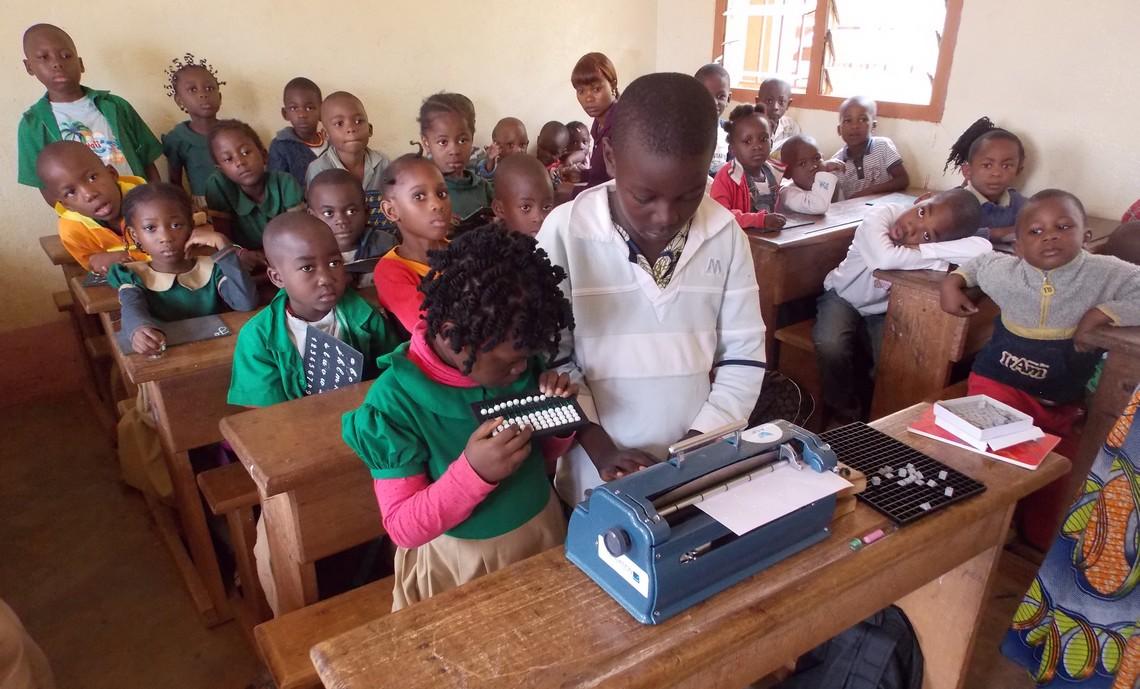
(764, 433)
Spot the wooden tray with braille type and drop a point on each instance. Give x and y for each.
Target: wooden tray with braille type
(547, 415)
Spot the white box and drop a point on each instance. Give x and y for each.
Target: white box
(980, 419)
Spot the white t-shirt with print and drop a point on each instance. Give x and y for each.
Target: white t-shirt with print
(81, 121)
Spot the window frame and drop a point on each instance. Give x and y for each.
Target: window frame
(814, 100)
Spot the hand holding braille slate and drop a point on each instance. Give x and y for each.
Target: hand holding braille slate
(181, 332)
(329, 363)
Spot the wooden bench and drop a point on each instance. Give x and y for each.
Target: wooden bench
(284, 642)
(63, 301)
(231, 493)
(797, 361)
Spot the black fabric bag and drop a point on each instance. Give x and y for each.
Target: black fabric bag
(881, 652)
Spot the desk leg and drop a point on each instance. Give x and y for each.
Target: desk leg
(765, 265)
(920, 344)
(294, 579)
(947, 611)
(205, 572)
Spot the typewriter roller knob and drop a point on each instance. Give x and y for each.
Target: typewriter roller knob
(617, 541)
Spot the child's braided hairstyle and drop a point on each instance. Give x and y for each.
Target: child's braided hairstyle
(742, 111)
(446, 103)
(492, 285)
(983, 129)
(178, 64)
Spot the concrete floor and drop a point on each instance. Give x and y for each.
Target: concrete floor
(82, 565)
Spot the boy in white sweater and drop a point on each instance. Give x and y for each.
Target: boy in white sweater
(850, 313)
(668, 338)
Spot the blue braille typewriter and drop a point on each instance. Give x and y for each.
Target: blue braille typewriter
(643, 539)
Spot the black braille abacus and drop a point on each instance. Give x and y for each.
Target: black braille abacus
(546, 415)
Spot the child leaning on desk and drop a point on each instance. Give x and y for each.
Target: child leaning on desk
(458, 500)
(849, 318)
(669, 339)
(305, 262)
(1050, 294)
(173, 285)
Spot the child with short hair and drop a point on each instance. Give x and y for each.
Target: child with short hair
(299, 144)
(173, 285)
(553, 140)
(88, 196)
(866, 164)
(595, 83)
(348, 131)
(194, 86)
(416, 199)
(241, 194)
(929, 235)
(716, 81)
(669, 338)
(748, 186)
(1050, 294)
(337, 199)
(524, 195)
(304, 262)
(69, 111)
(776, 96)
(990, 159)
(807, 187)
(447, 133)
(507, 138)
(578, 153)
(459, 499)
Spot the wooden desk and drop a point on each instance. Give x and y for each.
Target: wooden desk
(792, 264)
(921, 342)
(95, 299)
(543, 623)
(186, 388)
(53, 247)
(316, 494)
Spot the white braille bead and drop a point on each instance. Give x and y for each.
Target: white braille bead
(948, 492)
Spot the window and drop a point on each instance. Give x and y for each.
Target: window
(897, 52)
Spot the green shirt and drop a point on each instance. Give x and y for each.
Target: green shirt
(249, 217)
(267, 367)
(171, 297)
(410, 425)
(38, 128)
(468, 194)
(186, 149)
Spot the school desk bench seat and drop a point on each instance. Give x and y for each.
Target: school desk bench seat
(284, 642)
(231, 493)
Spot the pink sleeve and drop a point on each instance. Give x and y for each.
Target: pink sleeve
(416, 510)
(722, 193)
(397, 288)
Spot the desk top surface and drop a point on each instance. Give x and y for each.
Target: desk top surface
(95, 299)
(842, 215)
(543, 623)
(53, 247)
(296, 442)
(1116, 340)
(192, 357)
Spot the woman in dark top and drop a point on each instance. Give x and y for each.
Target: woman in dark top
(595, 83)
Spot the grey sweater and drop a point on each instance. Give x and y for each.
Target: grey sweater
(1032, 346)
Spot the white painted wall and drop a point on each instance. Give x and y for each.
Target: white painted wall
(509, 56)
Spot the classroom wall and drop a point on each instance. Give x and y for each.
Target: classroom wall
(511, 57)
(1061, 76)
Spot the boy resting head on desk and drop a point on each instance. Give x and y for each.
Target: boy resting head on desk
(849, 315)
(669, 339)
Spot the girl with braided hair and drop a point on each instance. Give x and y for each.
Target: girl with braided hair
(458, 501)
(990, 159)
(194, 85)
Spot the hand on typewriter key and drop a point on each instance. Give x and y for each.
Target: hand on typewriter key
(622, 462)
(495, 458)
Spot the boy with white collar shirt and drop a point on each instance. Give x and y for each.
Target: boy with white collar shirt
(668, 338)
(849, 315)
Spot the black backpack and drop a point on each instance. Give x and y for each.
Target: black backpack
(881, 652)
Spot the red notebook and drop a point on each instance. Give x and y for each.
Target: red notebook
(1026, 455)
